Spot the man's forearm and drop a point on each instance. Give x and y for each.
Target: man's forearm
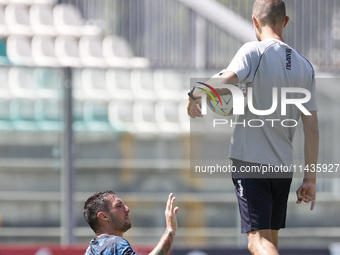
(311, 158)
(164, 245)
(307, 192)
(311, 149)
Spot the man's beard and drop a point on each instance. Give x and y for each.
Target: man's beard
(121, 227)
(126, 226)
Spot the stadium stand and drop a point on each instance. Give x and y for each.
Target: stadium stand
(4, 88)
(121, 115)
(22, 83)
(69, 22)
(96, 115)
(41, 20)
(91, 52)
(5, 114)
(3, 27)
(167, 116)
(118, 53)
(171, 84)
(47, 35)
(94, 83)
(67, 51)
(43, 51)
(143, 84)
(48, 115)
(29, 2)
(19, 50)
(119, 84)
(17, 18)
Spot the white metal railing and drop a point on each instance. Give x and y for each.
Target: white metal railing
(165, 31)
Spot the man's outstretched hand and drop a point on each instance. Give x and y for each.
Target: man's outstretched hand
(171, 214)
(164, 245)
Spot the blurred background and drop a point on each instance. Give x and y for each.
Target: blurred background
(93, 97)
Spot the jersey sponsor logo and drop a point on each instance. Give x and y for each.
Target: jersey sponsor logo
(289, 59)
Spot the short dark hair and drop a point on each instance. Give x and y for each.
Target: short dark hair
(96, 203)
(270, 12)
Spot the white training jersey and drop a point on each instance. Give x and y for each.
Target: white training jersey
(265, 65)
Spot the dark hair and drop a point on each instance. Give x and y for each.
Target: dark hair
(270, 12)
(94, 204)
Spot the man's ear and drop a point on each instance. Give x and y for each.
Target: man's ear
(255, 21)
(102, 216)
(286, 21)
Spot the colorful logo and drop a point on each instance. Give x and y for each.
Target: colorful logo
(208, 92)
